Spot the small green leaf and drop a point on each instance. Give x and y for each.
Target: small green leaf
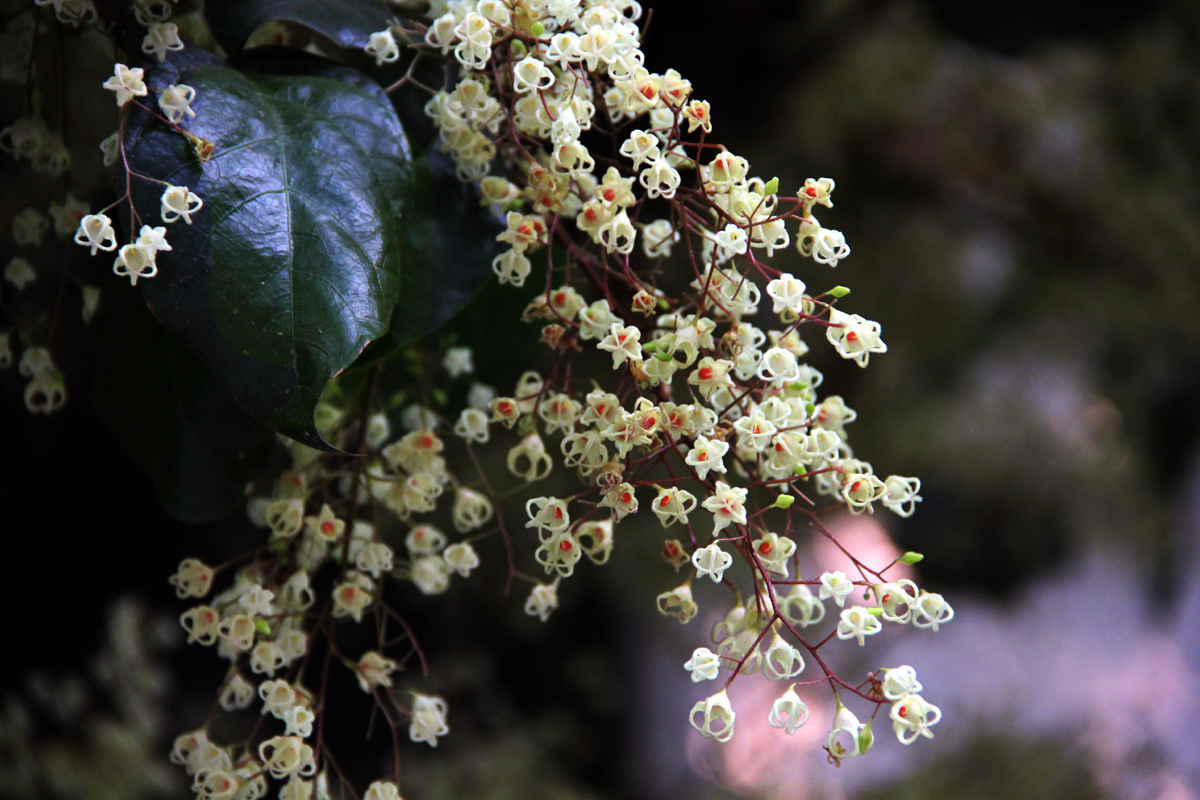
(350, 23)
(911, 558)
(839, 291)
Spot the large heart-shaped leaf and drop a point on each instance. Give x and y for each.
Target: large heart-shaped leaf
(294, 263)
(350, 23)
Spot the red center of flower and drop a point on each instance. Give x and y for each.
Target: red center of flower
(627, 498)
(610, 195)
(903, 712)
(560, 298)
(671, 550)
(648, 91)
(327, 528)
(851, 337)
(765, 548)
(558, 513)
(706, 373)
(666, 501)
(506, 407)
(426, 442)
(590, 215)
(565, 545)
(811, 191)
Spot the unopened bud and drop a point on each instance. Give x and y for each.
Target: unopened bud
(784, 501)
(866, 738)
(537, 29)
(911, 558)
(772, 186)
(262, 627)
(875, 611)
(839, 291)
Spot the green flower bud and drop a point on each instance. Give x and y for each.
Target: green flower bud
(839, 291)
(866, 738)
(911, 558)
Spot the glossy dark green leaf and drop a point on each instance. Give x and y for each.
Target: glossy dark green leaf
(166, 407)
(294, 263)
(350, 23)
(449, 244)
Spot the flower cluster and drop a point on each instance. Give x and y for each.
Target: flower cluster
(711, 412)
(696, 403)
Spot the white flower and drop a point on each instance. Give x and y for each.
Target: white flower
(856, 623)
(428, 719)
(902, 495)
(382, 45)
(375, 669)
(20, 273)
(461, 557)
(127, 83)
(854, 337)
(431, 574)
(800, 607)
(782, 660)
(179, 201)
(836, 585)
(135, 261)
(931, 610)
(175, 101)
(718, 717)
(788, 712)
(458, 362)
(727, 506)
(380, 790)
(899, 682)
(161, 37)
(787, 293)
(624, 342)
(707, 454)
(703, 665)
(912, 716)
(845, 722)
(774, 551)
(542, 600)
(897, 599)
(711, 561)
